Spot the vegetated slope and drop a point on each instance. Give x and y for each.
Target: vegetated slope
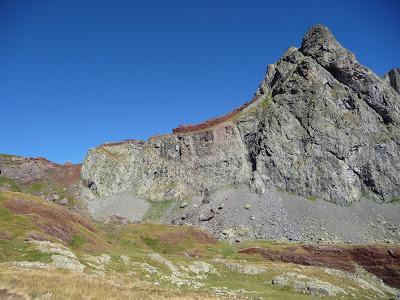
(321, 125)
(47, 251)
(39, 176)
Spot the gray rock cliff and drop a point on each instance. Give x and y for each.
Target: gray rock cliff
(393, 78)
(320, 125)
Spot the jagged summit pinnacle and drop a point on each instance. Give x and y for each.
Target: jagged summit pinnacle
(320, 44)
(318, 33)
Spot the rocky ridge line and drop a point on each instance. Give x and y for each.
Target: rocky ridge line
(321, 125)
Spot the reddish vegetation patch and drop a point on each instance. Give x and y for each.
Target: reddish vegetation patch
(382, 262)
(65, 174)
(54, 221)
(203, 237)
(177, 237)
(212, 122)
(173, 238)
(325, 256)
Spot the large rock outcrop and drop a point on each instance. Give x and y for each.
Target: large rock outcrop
(393, 78)
(29, 170)
(320, 125)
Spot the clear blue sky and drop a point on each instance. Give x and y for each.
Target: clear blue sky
(75, 74)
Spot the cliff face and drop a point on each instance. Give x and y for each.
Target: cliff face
(393, 78)
(320, 125)
(170, 166)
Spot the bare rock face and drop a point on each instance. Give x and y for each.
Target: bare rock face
(332, 131)
(320, 125)
(393, 78)
(170, 166)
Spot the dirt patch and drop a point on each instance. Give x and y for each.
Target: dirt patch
(203, 237)
(380, 261)
(194, 253)
(54, 221)
(4, 294)
(4, 236)
(173, 238)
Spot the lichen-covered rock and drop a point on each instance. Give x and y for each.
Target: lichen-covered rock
(199, 267)
(53, 248)
(308, 285)
(63, 262)
(63, 257)
(242, 268)
(98, 262)
(125, 259)
(320, 125)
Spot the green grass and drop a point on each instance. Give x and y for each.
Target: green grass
(47, 188)
(395, 200)
(9, 183)
(18, 250)
(158, 210)
(161, 246)
(77, 241)
(312, 198)
(35, 187)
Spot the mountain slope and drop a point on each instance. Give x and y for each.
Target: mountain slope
(48, 252)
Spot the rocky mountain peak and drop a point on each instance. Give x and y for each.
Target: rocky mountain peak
(321, 125)
(320, 44)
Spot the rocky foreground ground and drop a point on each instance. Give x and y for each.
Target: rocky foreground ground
(43, 242)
